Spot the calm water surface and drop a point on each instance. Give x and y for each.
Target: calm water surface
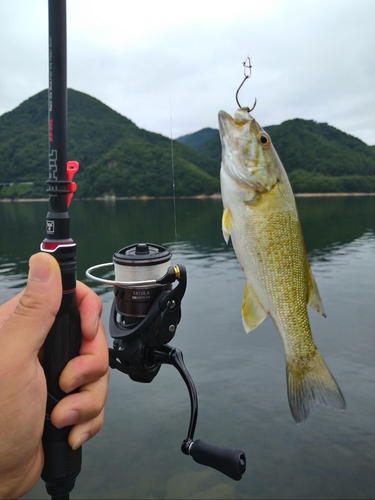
(240, 378)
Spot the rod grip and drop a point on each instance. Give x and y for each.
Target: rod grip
(61, 463)
(229, 461)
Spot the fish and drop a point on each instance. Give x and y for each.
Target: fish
(260, 217)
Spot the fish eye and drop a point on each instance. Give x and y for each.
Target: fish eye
(264, 139)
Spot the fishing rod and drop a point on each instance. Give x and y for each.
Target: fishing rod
(61, 463)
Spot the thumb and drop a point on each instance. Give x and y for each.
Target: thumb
(33, 317)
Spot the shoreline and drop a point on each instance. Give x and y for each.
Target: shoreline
(306, 195)
(198, 197)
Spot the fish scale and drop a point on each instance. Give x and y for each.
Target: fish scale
(260, 216)
(289, 312)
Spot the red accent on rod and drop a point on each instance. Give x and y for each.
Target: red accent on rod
(50, 246)
(71, 169)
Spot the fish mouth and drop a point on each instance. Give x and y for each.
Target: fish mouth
(227, 123)
(227, 127)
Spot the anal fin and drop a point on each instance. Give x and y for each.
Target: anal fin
(253, 313)
(313, 298)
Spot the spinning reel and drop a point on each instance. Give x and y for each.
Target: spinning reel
(145, 312)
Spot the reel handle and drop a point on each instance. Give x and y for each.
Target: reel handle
(228, 461)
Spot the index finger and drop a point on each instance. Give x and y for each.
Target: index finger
(90, 309)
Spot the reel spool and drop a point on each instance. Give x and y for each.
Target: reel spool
(145, 312)
(137, 263)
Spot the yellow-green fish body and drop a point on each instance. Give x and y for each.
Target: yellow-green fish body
(260, 216)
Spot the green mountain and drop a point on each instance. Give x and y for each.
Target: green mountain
(116, 157)
(316, 156)
(197, 139)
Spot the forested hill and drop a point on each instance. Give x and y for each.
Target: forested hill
(316, 156)
(118, 158)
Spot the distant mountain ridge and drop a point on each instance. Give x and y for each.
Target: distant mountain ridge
(119, 159)
(197, 139)
(116, 157)
(316, 156)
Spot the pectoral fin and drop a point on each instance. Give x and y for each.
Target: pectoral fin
(253, 312)
(313, 298)
(226, 224)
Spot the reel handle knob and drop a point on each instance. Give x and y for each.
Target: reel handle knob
(229, 461)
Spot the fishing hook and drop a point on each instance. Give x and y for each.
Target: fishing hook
(246, 66)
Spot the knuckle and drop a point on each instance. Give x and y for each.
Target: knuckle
(97, 407)
(100, 420)
(104, 369)
(29, 302)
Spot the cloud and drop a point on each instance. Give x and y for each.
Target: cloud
(150, 60)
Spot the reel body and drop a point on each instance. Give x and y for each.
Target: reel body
(145, 312)
(144, 317)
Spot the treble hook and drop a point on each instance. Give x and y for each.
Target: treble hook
(246, 66)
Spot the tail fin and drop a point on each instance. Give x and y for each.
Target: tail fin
(311, 385)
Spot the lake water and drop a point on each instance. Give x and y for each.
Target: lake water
(240, 379)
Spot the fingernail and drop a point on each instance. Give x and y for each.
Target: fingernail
(70, 417)
(39, 269)
(82, 439)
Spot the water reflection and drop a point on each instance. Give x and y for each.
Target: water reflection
(101, 228)
(240, 378)
(358, 247)
(333, 221)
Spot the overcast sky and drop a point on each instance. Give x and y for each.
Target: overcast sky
(172, 65)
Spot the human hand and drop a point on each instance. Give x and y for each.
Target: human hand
(25, 322)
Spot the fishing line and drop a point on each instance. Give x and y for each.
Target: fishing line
(172, 166)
